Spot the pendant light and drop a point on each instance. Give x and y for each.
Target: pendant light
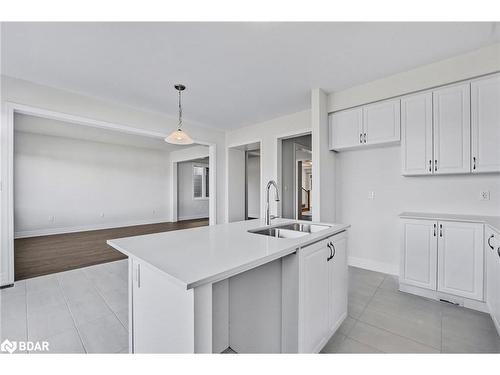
(179, 137)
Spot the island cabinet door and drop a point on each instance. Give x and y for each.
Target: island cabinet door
(314, 291)
(163, 313)
(337, 269)
(492, 254)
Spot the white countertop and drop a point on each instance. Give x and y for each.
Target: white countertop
(197, 256)
(492, 221)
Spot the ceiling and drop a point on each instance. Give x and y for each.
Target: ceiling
(36, 125)
(236, 73)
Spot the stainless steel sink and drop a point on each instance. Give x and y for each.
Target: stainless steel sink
(290, 230)
(305, 228)
(279, 233)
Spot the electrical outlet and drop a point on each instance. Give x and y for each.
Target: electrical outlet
(52, 219)
(484, 195)
(154, 212)
(371, 195)
(102, 214)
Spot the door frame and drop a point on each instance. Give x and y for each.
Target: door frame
(7, 173)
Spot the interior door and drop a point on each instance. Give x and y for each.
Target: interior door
(460, 259)
(381, 122)
(451, 115)
(485, 124)
(416, 134)
(419, 258)
(338, 283)
(314, 301)
(346, 129)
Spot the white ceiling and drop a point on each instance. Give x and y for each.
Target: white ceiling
(236, 73)
(31, 124)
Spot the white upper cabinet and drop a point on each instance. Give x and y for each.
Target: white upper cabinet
(485, 124)
(416, 134)
(346, 129)
(460, 259)
(451, 110)
(381, 122)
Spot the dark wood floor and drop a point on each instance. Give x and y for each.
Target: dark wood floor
(37, 256)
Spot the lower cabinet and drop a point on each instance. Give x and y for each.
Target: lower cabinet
(323, 292)
(444, 256)
(492, 255)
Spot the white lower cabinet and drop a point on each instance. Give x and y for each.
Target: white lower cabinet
(460, 259)
(492, 255)
(443, 256)
(322, 292)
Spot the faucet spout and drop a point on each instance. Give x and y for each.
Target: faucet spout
(276, 198)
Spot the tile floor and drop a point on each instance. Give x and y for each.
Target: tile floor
(383, 320)
(78, 311)
(85, 311)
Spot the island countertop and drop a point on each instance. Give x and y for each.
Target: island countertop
(196, 256)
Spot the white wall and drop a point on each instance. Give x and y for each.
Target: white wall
(268, 133)
(63, 185)
(236, 185)
(28, 93)
(374, 235)
(253, 186)
(188, 207)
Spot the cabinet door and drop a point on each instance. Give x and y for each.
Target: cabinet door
(485, 126)
(163, 313)
(460, 259)
(492, 271)
(382, 122)
(419, 257)
(346, 128)
(338, 282)
(314, 298)
(416, 134)
(451, 114)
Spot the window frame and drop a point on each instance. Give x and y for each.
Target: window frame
(204, 187)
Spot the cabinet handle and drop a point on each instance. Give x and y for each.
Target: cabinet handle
(430, 165)
(360, 137)
(440, 230)
(489, 243)
(139, 275)
(365, 137)
(498, 251)
(474, 163)
(334, 251)
(329, 256)
(435, 230)
(435, 165)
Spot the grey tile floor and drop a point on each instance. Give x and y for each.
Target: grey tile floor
(85, 311)
(79, 311)
(383, 320)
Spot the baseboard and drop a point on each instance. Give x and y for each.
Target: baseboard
(373, 265)
(4, 282)
(86, 228)
(192, 217)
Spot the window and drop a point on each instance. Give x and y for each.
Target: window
(200, 182)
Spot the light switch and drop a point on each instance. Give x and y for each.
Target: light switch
(371, 195)
(484, 195)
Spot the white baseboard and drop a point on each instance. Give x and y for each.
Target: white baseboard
(85, 228)
(372, 265)
(192, 217)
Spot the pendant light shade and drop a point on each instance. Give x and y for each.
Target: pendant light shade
(179, 137)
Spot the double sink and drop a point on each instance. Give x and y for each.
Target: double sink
(290, 230)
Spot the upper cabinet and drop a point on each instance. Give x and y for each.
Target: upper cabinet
(485, 124)
(451, 116)
(373, 124)
(416, 134)
(346, 129)
(381, 122)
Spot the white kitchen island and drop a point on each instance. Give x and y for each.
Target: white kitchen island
(205, 289)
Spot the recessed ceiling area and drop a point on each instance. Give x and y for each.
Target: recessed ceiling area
(236, 73)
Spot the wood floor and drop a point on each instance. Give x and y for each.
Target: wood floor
(37, 256)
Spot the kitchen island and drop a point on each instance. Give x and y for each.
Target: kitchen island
(205, 289)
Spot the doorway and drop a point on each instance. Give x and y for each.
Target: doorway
(244, 182)
(296, 177)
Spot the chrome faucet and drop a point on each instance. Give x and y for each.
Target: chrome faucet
(276, 198)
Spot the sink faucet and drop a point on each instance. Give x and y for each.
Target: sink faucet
(276, 198)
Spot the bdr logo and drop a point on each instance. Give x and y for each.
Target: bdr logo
(32, 346)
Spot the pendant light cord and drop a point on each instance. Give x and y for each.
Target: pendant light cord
(180, 112)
